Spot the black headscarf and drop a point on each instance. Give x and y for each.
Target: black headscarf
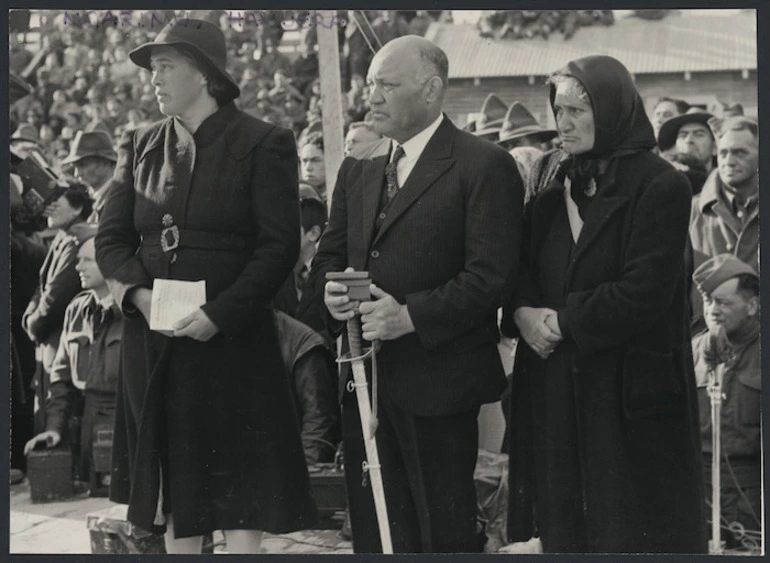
(620, 121)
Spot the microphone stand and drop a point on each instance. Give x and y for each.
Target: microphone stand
(714, 389)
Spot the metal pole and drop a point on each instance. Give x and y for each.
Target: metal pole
(372, 456)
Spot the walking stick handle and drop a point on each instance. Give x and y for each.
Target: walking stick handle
(354, 336)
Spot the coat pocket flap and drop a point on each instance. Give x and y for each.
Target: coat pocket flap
(651, 385)
(114, 337)
(751, 379)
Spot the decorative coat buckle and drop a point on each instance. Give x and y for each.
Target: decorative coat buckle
(169, 238)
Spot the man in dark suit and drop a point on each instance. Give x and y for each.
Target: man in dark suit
(434, 214)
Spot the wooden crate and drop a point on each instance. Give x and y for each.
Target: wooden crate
(50, 474)
(111, 533)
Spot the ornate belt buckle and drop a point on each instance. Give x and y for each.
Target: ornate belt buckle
(169, 238)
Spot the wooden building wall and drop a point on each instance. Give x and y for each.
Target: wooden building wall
(465, 96)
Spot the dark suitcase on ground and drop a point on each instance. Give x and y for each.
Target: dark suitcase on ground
(50, 474)
(102, 450)
(328, 488)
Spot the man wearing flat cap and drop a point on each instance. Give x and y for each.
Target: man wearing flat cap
(725, 215)
(730, 290)
(93, 160)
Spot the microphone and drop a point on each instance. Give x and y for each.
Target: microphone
(717, 349)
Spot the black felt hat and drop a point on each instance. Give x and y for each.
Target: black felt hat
(204, 38)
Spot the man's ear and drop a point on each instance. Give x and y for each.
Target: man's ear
(435, 86)
(315, 233)
(753, 306)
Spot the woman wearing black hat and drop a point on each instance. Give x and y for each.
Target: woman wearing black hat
(206, 437)
(604, 457)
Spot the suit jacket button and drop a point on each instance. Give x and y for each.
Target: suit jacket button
(382, 216)
(375, 254)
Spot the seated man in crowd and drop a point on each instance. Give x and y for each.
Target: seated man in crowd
(666, 108)
(730, 290)
(84, 376)
(725, 215)
(312, 375)
(360, 134)
(292, 298)
(93, 160)
(689, 133)
(312, 163)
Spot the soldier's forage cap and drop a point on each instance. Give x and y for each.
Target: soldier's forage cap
(717, 270)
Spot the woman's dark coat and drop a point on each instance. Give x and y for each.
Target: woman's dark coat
(220, 410)
(626, 355)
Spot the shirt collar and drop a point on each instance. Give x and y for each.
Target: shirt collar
(714, 191)
(414, 147)
(710, 193)
(732, 202)
(106, 302)
(93, 302)
(100, 194)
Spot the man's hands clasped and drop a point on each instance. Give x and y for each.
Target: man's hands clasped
(382, 318)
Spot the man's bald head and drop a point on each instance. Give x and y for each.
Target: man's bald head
(407, 81)
(430, 60)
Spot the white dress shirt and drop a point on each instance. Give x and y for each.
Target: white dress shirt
(413, 148)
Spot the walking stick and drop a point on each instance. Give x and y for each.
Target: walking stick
(356, 281)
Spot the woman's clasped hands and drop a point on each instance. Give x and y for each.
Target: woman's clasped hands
(540, 329)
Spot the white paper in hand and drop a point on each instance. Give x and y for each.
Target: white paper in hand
(173, 300)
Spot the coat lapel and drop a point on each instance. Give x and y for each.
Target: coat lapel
(372, 178)
(179, 163)
(606, 204)
(434, 161)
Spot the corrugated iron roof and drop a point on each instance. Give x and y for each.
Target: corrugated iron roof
(677, 43)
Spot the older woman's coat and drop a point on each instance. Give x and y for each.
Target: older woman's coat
(216, 415)
(605, 454)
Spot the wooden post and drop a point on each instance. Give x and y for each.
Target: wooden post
(331, 95)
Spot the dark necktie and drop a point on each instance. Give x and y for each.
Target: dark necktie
(300, 279)
(391, 172)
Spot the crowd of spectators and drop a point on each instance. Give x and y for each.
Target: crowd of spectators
(84, 80)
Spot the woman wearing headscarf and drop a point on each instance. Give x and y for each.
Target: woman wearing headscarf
(206, 436)
(604, 444)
